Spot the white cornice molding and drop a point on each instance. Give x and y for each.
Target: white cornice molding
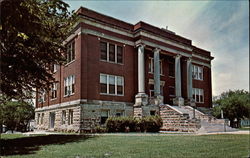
(163, 48)
(99, 34)
(200, 57)
(161, 39)
(105, 27)
(201, 63)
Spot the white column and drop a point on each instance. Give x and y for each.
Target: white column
(178, 76)
(178, 100)
(141, 70)
(189, 79)
(157, 72)
(141, 98)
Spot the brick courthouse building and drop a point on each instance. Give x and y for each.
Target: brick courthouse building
(119, 69)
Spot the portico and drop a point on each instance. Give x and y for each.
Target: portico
(142, 98)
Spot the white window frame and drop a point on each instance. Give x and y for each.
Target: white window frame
(54, 68)
(69, 52)
(151, 66)
(108, 76)
(68, 82)
(196, 70)
(54, 90)
(199, 92)
(42, 97)
(64, 117)
(108, 43)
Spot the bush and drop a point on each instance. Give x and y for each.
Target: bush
(131, 124)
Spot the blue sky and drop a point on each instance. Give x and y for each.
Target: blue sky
(221, 27)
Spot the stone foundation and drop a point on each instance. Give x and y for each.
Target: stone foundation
(86, 116)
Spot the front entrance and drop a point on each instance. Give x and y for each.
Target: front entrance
(52, 116)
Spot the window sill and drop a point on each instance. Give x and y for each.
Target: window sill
(69, 63)
(198, 79)
(68, 95)
(53, 99)
(111, 62)
(171, 76)
(117, 95)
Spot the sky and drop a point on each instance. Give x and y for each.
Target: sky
(221, 27)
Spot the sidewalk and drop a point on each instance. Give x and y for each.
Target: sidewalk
(165, 133)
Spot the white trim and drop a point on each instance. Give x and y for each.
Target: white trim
(161, 39)
(201, 63)
(201, 57)
(105, 27)
(162, 47)
(99, 34)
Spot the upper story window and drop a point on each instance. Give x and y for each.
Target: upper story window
(171, 68)
(151, 66)
(198, 95)
(69, 85)
(197, 72)
(41, 98)
(70, 56)
(111, 52)
(111, 84)
(54, 91)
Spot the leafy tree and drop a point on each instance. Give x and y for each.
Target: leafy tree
(235, 105)
(16, 114)
(31, 34)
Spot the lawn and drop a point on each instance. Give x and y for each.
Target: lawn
(76, 146)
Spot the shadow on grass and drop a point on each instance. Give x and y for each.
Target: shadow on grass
(29, 145)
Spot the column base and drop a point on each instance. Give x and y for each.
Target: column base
(138, 112)
(141, 99)
(158, 100)
(191, 102)
(179, 101)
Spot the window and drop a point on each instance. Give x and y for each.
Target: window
(54, 68)
(151, 66)
(70, 56)
(104, 116)
(69, 85)
(111, 52)
(119, 113)
(119, 55)
(42, 117)
(54, 91)
(111, 84)
(171, 67)
(198, 95)
(171, 91)
(104, 51)
(38, 119)
(152, 112)
(70, 118)
(197, 72)
(41, 98)
(151, 90)
(63, 117)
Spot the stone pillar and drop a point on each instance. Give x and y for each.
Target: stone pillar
(157, 78)
(178, 100)
(190, 83)
(141, 98)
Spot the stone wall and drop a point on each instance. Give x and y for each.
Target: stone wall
(44, 123)
(91, 113)
(174, 120)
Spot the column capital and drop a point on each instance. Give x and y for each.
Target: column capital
(178, 56)
(189, 59)
(141, 45)
(156, 50)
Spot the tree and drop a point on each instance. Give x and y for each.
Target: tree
(31, 34)
(235, 105)
(16, 114)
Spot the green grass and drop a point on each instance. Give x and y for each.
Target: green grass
(70, 146)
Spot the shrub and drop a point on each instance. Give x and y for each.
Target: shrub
(131, 124)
